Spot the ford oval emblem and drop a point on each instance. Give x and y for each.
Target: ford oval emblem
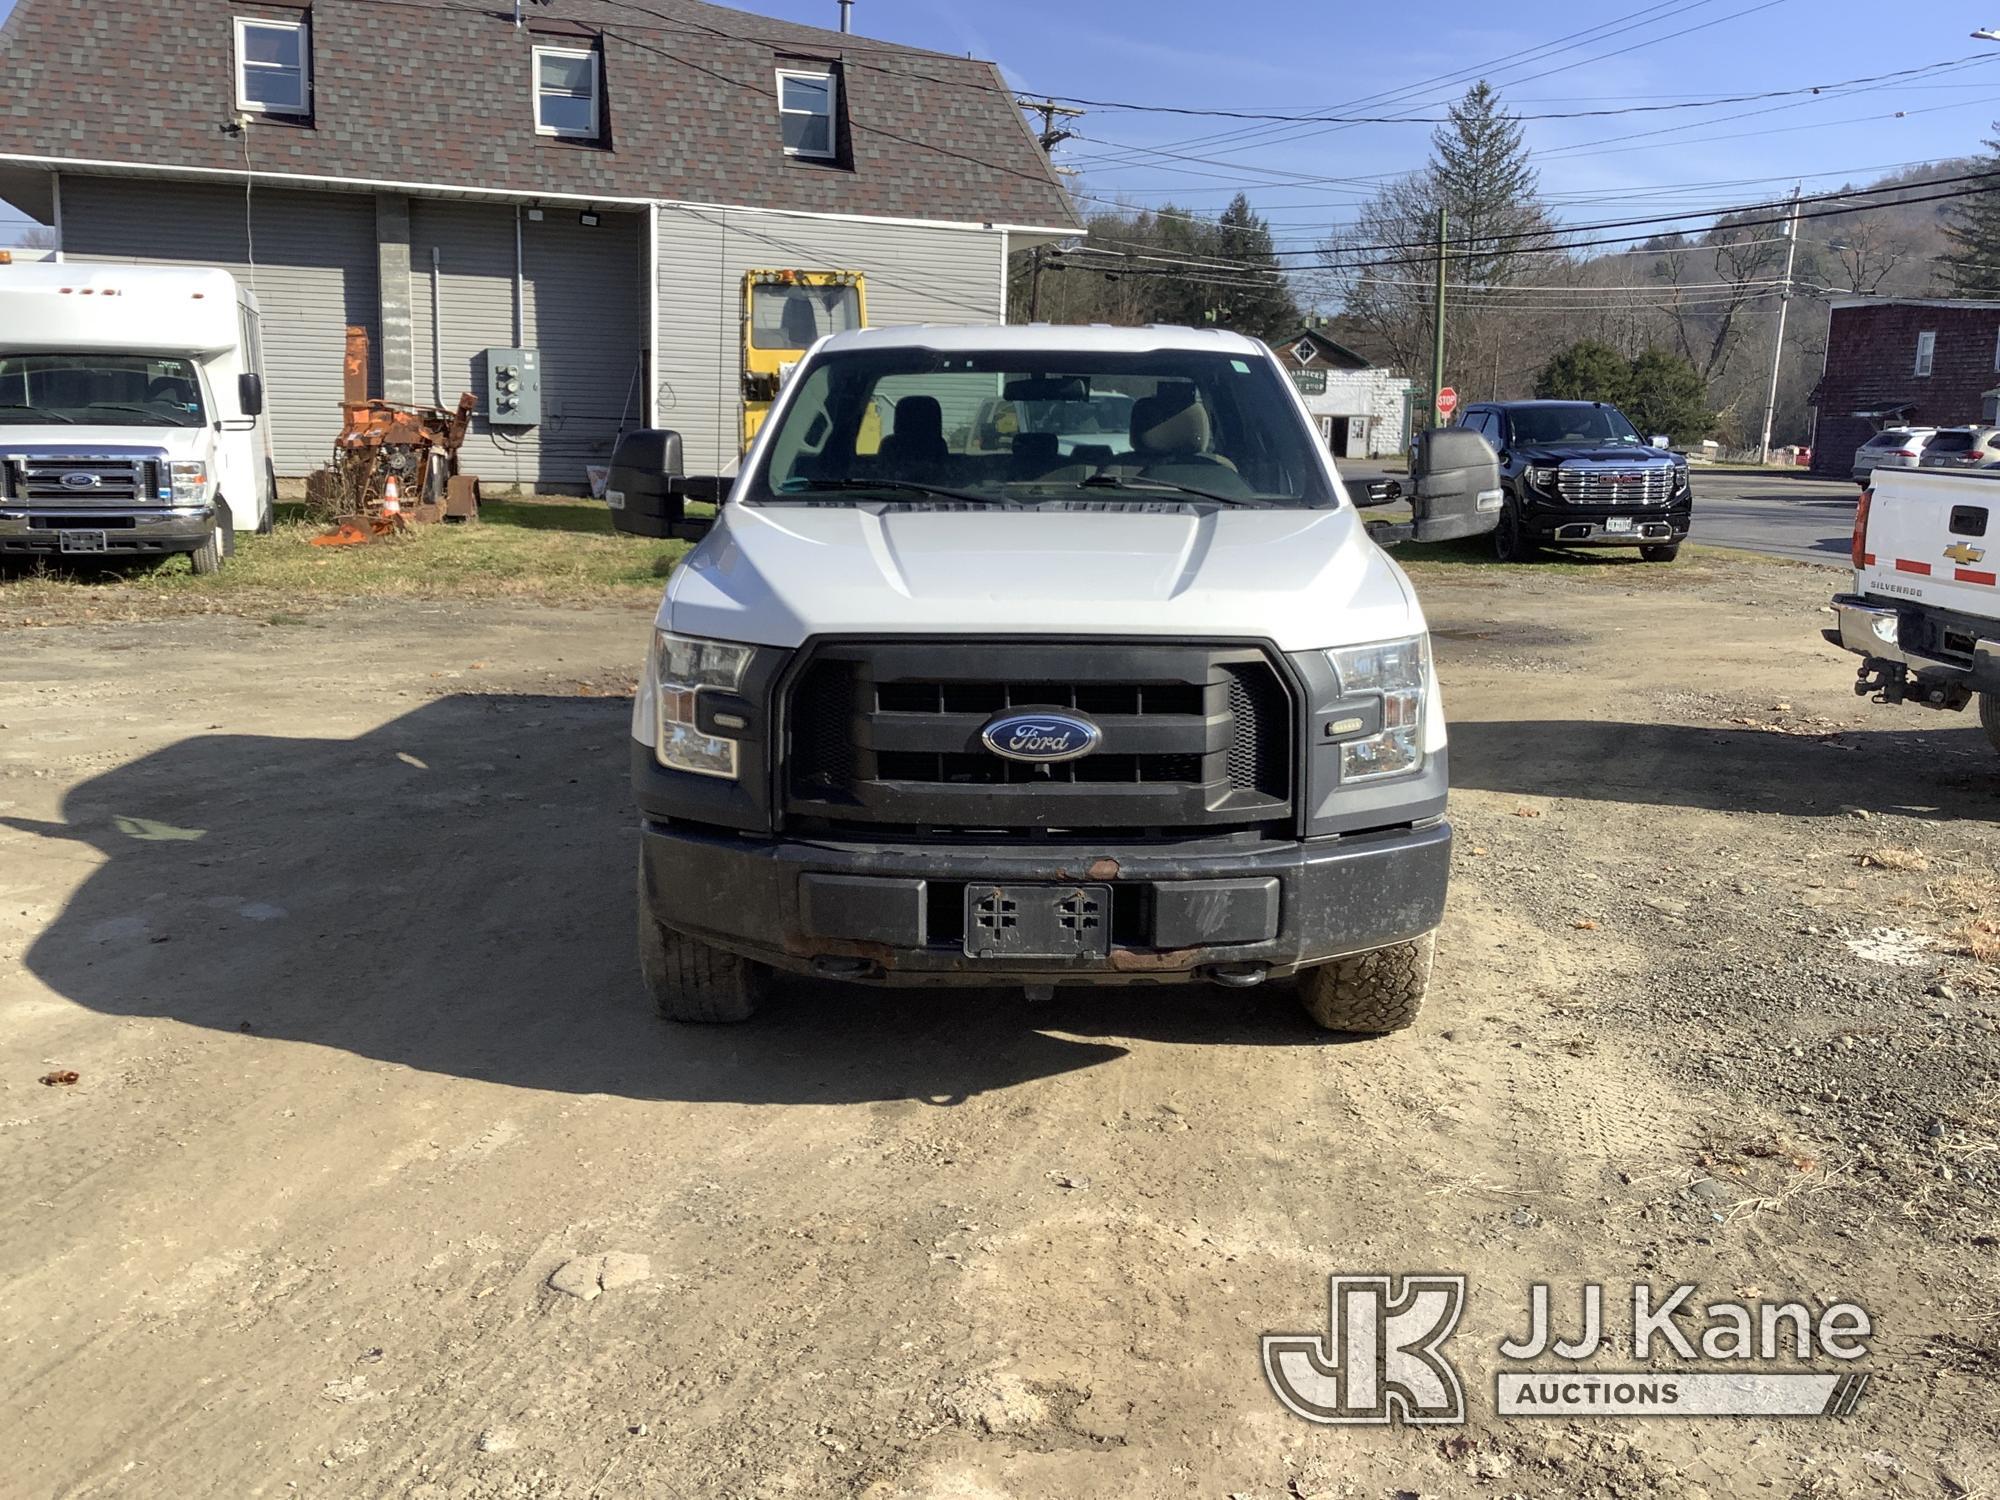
(74, 480)
(1046, 736)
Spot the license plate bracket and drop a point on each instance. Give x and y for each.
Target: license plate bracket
(1618, 523)
(80, 541)
(1038, 921)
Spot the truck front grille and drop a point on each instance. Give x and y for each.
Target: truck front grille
(1608, 484)
(81, 479)
(1197, 739)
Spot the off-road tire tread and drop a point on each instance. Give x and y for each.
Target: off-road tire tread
(1372, 993)
(1989, 716)
(693, 981)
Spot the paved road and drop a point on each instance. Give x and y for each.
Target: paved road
(1806, 519)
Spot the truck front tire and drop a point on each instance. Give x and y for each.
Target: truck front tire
(1664, 552)
(1374, 992)
(1511, 543)
(1989, 716)
(694, 981)
(219, 543)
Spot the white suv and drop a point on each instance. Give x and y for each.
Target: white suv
(1892, 448)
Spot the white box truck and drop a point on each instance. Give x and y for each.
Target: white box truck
(131, 412)
(1133, 696)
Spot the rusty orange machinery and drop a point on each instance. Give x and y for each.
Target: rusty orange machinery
(393, 466)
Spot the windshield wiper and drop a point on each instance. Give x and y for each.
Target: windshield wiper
(38, 410)
(906, 486)
(167, 419)
(1118, 482)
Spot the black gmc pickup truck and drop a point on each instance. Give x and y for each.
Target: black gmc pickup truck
(1578, 474)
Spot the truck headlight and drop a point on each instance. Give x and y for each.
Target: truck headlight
(682, 667)
(1680, 477)
(1543, 478)
(1396, 672)
(190, 481)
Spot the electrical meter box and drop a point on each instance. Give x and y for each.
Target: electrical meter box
(513, 387)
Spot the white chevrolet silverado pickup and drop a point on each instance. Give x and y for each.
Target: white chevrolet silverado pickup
(1924, 612)
(976, 702)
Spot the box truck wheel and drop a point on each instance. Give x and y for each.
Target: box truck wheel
(1989, 715)
(692, 981)
(1371, 992)
(220, 541)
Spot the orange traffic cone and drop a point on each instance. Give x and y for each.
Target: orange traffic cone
(392, 497)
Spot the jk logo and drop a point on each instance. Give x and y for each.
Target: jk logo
(1378, 1361)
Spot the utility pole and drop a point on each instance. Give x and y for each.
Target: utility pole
(1050, 137)
(1437, 327)
(1784, 306)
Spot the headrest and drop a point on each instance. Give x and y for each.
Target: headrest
(1041, 447)
(1170, 421)
(919, 417)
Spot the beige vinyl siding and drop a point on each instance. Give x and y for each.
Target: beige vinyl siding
(915, 274)
(315, 274)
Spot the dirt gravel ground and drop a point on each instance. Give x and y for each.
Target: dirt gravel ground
(331, 917)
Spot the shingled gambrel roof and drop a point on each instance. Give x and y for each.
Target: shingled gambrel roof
(438, 92)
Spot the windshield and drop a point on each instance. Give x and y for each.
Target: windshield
(1581, 423)
(104, 390)
(792, 317)
(1032, 427)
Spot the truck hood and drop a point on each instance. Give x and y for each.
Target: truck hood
(1582, 453)
(175, 442)
(1302, 579)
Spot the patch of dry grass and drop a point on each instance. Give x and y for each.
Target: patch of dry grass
(1911, 860)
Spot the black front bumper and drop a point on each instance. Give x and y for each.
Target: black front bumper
(1560, 524)
(894, 913)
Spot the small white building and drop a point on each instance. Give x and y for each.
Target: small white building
(1361, 411)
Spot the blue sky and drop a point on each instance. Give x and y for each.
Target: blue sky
(1295, 56)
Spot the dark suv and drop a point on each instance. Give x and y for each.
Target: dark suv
(1578, 474)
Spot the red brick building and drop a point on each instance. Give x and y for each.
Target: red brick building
(1933, 363)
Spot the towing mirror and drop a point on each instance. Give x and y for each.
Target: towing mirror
(250, 394)
(1455, 480)
(647, 491)
(1380, 492)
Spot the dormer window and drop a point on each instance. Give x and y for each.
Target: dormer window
(806, 102)
(273, 67)
(566, 92)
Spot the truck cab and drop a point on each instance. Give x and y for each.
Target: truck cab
(131, 412)
(1086, 708)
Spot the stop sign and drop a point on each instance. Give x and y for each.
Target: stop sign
(1447, 401)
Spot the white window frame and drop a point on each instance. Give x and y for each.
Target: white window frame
(244, 103)
(1926, 351)
(1996, 355)
(596, 126)
(832, 81)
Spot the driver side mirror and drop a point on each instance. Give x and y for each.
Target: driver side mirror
(1455, 478)
(1380, 492)
(250, 394)
(648, 493)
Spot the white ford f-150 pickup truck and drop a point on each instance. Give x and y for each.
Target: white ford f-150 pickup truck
(1153, 707)
(1924, 612)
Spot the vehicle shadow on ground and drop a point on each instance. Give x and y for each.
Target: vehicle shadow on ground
(453, 892)
(1947, 770)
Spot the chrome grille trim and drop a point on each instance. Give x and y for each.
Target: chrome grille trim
(1615, 484)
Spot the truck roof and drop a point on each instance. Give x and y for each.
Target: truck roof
(1098, 337)
(113, 305)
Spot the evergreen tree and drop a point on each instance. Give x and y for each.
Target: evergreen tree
(1666, 394)
(1972, 264)
(1265, 308)
(1587, 370)
(1484, 180)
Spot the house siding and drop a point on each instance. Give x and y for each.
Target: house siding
(583, 310)
(915, 274)
(1871, 355)
(314, 275)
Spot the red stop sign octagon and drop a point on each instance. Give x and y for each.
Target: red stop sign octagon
(1447, 401)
